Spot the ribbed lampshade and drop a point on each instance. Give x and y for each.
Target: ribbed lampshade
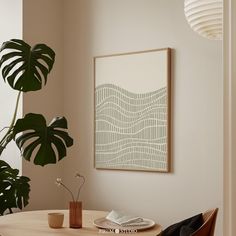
(205, 17)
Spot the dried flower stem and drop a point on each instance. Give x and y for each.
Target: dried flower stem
(59, 183)
(81, 176)
(68, 190)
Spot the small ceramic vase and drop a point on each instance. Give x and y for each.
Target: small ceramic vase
(75, 214)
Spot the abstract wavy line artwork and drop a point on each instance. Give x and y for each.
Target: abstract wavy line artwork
(131, 128)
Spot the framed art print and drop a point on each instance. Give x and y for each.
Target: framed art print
(132, 111)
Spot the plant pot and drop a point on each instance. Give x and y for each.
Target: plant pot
(75, 214)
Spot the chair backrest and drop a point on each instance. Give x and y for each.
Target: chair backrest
(208, 227)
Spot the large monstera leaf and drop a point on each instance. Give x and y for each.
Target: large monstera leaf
(26, 68)
(14, 189)
(44, 140)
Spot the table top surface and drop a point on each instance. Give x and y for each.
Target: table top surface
(35, 223)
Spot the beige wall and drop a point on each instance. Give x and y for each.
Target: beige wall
(100, 27)
(42, 23)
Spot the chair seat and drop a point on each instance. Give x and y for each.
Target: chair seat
(208, 227)
(198, 225)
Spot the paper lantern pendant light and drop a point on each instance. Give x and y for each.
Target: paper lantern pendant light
(205, 17)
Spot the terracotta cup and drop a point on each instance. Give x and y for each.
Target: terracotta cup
(75, 214)
(55, 219)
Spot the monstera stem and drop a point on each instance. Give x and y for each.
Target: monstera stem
(4, 128)
(5, 140)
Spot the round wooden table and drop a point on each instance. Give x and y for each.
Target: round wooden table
(35, 223)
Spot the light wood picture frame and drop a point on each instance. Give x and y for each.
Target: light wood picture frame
(132, 111)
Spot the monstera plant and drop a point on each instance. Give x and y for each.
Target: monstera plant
(14, 189)
(26, 69)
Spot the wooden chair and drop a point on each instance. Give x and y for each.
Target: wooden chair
(208, 227)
